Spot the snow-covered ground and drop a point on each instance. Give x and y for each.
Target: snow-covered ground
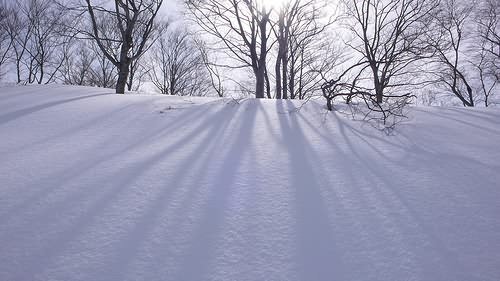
(97, 186)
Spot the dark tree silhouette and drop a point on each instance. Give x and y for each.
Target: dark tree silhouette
(133, 23)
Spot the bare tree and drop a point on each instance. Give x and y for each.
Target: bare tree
(484, 67)
(38, 31)
(285, 16)
(486, 49)
(77, 65)
(138, 70)
(299, 26)
(178, 67)
(20, 35)
(103, 72)
(242, 27)
(488, 21)
(134, 21)
(84, 64)
(216, 79)
(448, 40)
(137, 75)
(306, 65)
(6, 41)
(387, 34)
(49, 33)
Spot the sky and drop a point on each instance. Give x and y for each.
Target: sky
(171, 8)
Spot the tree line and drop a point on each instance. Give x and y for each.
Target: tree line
(380, 53)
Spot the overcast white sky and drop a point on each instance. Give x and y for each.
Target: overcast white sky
(171, 8)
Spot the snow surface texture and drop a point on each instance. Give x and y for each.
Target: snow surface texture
(97, 186)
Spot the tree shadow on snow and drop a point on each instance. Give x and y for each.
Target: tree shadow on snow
(318, 256)
(385, 201)
(121, 184)
(5, 118)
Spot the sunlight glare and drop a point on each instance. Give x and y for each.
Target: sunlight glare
(274, 3)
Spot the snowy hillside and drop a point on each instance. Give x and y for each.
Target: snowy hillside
(97, 186)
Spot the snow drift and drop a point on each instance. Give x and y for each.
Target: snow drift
(98, 186)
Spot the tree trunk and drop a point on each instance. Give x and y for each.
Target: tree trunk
(470, 92)
(260, 71)
(124, 65)
(42, 71)
(291, 85)
(467, 103)
(301, 84)
(284, 58)
(301, 75)
(268, 85)
(173, 85)
(285, 75)
(277, 70)
(122, 78)
(18, 70)
(379, 91)
(279, 57)
(260, 81)
(329, 104)
(130, 81)
(379, 94)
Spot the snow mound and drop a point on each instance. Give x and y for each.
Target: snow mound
(98, 186)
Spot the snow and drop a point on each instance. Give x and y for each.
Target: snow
(98, 186)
